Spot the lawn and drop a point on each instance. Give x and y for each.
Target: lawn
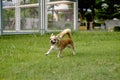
(22, 57)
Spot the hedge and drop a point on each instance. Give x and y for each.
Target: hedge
(116, 28)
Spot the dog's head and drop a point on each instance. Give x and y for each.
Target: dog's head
(53, 39)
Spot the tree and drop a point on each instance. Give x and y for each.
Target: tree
(107, 9)
(84, 6)
(101, 9)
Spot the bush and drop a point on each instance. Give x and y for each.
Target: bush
(116, 28)
(97, 24)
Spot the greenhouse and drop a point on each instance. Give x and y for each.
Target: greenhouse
(38, 16)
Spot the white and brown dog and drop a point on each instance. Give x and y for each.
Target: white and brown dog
(59, 43)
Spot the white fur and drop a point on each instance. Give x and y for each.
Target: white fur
(51, 48)
(64, 32)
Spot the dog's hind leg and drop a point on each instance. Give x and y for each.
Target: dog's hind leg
(59, 54)
(73, 49)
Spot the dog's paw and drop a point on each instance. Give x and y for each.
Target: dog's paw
(59, 56)
(74, 54)
(46, 54)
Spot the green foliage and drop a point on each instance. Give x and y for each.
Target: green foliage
(107, 9)
(8, 17)
(8, 13)
(22, 57)
(97, 24)
(33, 1)
(117, 28)
(88, 16)
(55, 0)
(68, 24)
(101, 9)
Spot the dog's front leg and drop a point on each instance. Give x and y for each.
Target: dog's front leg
(51, 48)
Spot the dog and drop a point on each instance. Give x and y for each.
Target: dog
(59, 43)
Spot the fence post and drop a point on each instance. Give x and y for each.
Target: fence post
(42, 16)
(1, 18)
(76, 15)
(17, 15)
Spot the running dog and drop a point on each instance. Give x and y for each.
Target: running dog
(59, 43)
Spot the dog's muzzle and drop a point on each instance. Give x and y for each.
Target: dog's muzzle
(53, 42)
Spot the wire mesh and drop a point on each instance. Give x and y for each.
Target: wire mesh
(9, 19)
(29, 18)
(60, 16)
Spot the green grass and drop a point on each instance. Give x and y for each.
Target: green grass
(22, 57)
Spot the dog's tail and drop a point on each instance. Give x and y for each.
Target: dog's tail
(64, 32)
(69, 35)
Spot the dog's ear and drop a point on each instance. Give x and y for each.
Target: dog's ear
(57, 35)
(52, 34)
